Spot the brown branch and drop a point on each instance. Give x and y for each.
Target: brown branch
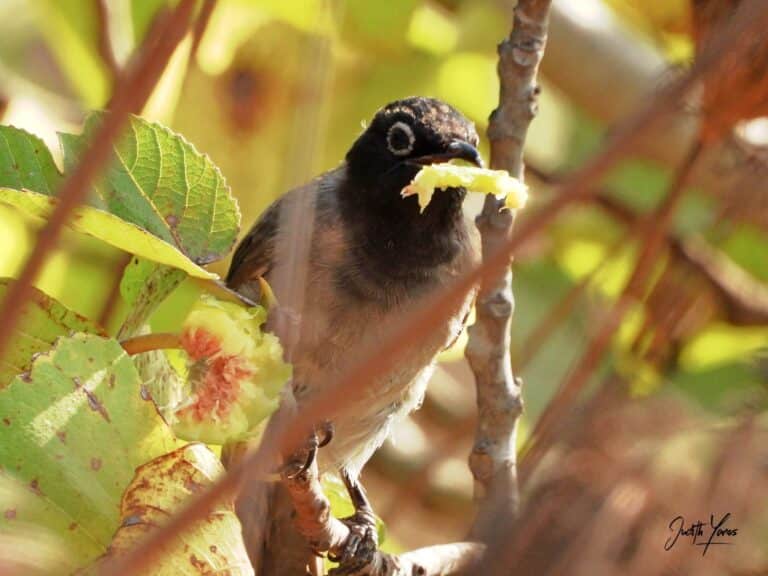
(499, 400)
(201, 24)
(130, 95)
(426, 317)
(325, 533)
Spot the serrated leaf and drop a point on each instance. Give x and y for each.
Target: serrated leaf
(107, 227)
(162, 486)
(73, 431)
(26, 162)
(160, 182)
(43, 321)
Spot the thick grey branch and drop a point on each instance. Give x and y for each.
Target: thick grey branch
(499, 402)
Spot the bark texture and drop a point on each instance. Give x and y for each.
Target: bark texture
(499, 400)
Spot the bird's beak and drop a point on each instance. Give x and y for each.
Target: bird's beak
(457, 149)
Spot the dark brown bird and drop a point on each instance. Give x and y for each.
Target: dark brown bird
(371, 255)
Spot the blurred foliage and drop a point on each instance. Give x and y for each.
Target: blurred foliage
(279, 89)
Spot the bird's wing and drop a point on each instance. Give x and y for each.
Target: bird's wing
(254, 256)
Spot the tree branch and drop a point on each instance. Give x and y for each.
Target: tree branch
(499, 400)
(326, 533)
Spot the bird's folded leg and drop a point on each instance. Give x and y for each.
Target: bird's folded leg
(362, 544)
(300, 461)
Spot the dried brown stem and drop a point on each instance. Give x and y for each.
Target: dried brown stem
(425, 319)
(650, 244)
(130, 95)
(499, 399)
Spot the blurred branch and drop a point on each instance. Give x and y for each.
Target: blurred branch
(651, 238)
(132, 91)
(744, 298)
(201, 24)
(104, 41)
(499, 401)
(627, 70)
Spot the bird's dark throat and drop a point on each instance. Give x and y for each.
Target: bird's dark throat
(391, 238)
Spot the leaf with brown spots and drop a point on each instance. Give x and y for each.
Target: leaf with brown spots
(162, 486)
(43, 321)
(78, 430)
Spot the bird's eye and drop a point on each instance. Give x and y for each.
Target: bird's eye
(400, 139)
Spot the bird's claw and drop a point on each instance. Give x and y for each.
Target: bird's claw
(302, 460)
(362, 544)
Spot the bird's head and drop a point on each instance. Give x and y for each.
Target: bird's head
(405, 135)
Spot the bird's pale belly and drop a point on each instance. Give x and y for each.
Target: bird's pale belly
(337, 341)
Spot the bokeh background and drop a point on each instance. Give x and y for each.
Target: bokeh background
(276, 91)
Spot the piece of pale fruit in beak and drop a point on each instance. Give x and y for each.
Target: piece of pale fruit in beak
(441, 176)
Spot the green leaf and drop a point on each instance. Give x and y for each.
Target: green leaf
(107, 227)
(162, 486)
(26, 162)
(73, 431)
(43, 321)
(158, 181)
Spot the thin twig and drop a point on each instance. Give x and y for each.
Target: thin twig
(425, 319)
(130, 95)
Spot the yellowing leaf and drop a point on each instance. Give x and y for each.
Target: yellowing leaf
(106, 227)
(161, 487)
(73, 430)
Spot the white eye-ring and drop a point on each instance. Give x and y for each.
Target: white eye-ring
(400, 139)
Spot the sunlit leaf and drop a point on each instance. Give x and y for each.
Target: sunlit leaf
(73, 430)
(161, 487)
(42, 322)
(26, 162)
(722, 344)
(107, 227)
(159, 181)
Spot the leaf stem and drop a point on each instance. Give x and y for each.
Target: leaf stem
(149, 342)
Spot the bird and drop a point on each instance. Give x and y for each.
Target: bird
(372, 254)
